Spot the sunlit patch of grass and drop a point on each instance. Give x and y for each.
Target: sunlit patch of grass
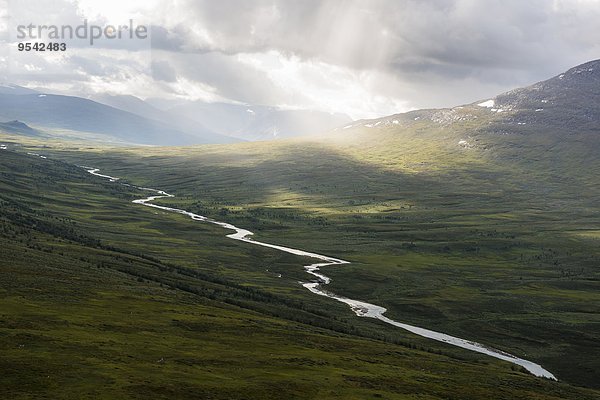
(587, 234)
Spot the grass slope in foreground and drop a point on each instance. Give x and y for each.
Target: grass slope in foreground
(83, 317)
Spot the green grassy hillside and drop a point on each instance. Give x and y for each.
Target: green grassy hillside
(86, 314)
(105, 299)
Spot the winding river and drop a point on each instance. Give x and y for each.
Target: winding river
(361, 308)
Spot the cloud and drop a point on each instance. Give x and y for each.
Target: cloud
(351, 56)
(163, 71)
(382, 33)
(164, 39)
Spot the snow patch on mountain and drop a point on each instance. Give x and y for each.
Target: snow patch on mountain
(487, 104)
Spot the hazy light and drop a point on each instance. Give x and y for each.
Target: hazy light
(326, 87)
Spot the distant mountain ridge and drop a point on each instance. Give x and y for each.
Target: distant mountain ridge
(9, 88)
(129, 119)
(137, 106)
(569, 102)
(256, 122)
(18, 127)
(78, 114)
(244, 122)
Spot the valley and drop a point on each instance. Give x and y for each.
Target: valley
(476, 223)
(79, 297)
(360, 308)
(462, 259)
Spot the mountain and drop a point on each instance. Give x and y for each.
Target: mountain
(129, 103)
(568, 101)
(9, 88)
(131, 119)
(19, 128)
(563, 111)
(78, 114)
(252, 122)
(234, 120)
(137, 106)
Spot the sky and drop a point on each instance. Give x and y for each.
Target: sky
(364, 58)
